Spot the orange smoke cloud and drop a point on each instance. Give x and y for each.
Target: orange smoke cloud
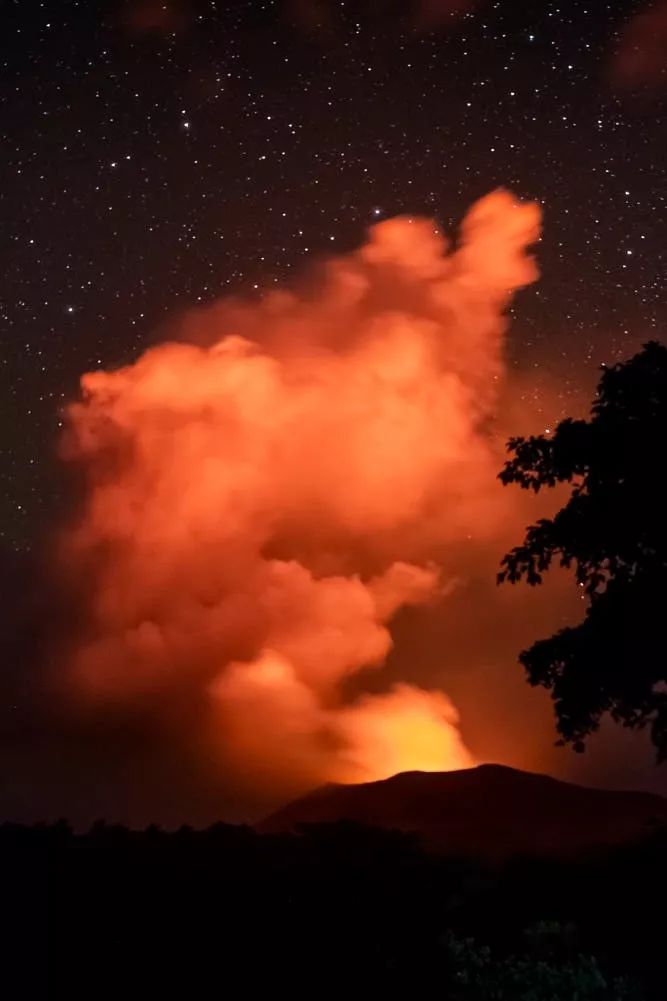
(265, 496)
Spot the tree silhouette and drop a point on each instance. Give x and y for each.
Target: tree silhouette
(613, 532)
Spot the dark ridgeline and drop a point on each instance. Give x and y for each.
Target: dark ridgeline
(342, 906)
(490, 812)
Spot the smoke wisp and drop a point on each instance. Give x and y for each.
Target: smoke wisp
(640, 59)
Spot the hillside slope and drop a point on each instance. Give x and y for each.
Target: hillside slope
(488, 810)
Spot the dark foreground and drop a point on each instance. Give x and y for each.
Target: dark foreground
(227, 912)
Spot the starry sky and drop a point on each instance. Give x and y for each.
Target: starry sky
(157, 155)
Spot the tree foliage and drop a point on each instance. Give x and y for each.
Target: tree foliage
(613, 533)
(546, 971)
(115, 913)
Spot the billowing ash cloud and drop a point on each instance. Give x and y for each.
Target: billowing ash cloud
(266, 495)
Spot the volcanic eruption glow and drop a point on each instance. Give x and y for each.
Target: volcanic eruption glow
(266, 493)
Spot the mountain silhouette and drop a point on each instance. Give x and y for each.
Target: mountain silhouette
(491, 810)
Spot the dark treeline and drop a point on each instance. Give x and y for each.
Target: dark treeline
(196, 914)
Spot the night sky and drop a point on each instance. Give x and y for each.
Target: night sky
(158, 155)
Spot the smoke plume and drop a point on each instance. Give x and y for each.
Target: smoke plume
(266, 495)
